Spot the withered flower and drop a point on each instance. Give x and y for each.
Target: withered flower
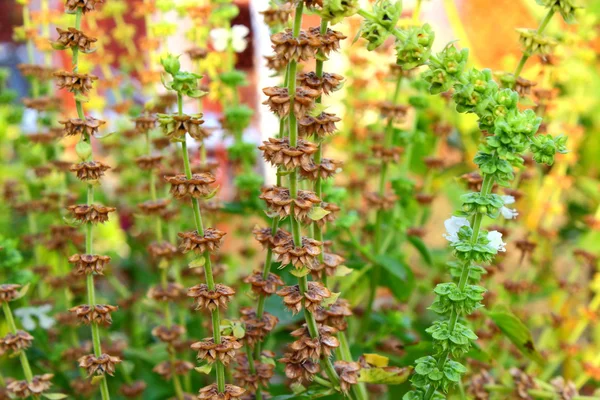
(329, 265)
(394, 111)
(328, 83)
(265, 237)
(325, 169)
(523, 86)
(424, 198)
(89, 263)
(330, 40)
(23, 389)
(43, 103)
(433, 162)
(75, 126)
(154, 207)
(303, 256)
(385, 202)
(74, 82)
(257, 330)
(15, 341)
(90, 170)
(98, 314)
(306, 347)
(176, 126)
(387, 154)
(9, 292)
(299, 370)
(263, 373)
(473, 180)
(262, 286)
(279, 100)
(198, 186)
(476, 387)
(83, 387)
(144, 123)
(166, 369)
(211, 352)
(566, 390)
(277, 15)
(300, 48)
(72, 38)
(293, 298)
(94, 213)
(279, 153)
(348, 372)
(171, 292)
(197, 53)
(39, 72)
(320, 125)
(523, 382)
(278, 201)
(333, 210)
(211, 392)
(192, 241)
(334, 315)
(104, 364)
(168, 335)
(84, 5)
(417, 231)
(148, 162)
(275, 63)
(133, 390)
(204, 298)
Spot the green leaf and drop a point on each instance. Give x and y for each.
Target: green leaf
(384, 376)
(517, 332)
(330, 300)
(54, 396)
(23, 291)
(376, 359)
(396, 276)
(205, 369)
(197, 263)
(421, 248)
(299, 273)
(317, 213)
(97, 379)
(239, 331)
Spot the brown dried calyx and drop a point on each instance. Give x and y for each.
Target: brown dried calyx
(198, 186)
(133, 390)
(166, 369)
(9, 292)
(192, 241)
(144, 123)
(522, 382)
(75, 126)
(263, 372)
(275, 63)
(265, 236)
(328, 83)
(178, 125)
(104, 364)
(89, 170)
(84, 5)
(279, 153)
(393, 111)
(98, 314)
(171, 292)
(223, 352)
(325, 169)
(299, 370)
(89, 263)
(348, 372)
(37, 71)
(385, 202)
(303, 256)
(257, 329)
(334, 315)
(197, 53)
(330, 40)
(149, 162)
(300, 48)
(320, 125)
(211, 392)
(43, 103)
(262, 286)
(17, 341)
(158, 250)
(478, 383)
(154, 207)
(94, 213)
(71, 38)
(23, 389)
(306, 347)
(168, 335)
(329, 265)
(387, 154)
(312, 298)
(205, 298)
(277, 15)
(74, 82)
(279, 100)
(278, 201)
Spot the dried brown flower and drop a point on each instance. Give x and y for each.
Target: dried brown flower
(211, 352)
(72, 38)
(98, 314)
(330, 40)
(75, 126)
(198, 186)
(9, 292)
(299, 370)
(257, 330)
(74, 82)
(387, 154)
(306, 347)
(197, 53)
(263, 373)
(192, 241)
(385, 202)
(23, 389)
(205, 298)
(262, 286)
(89, 263)
(89, 170)
(325, 169)
(144, 123)
(44, 103)
(183, 124)
(303, 256)
(334, 315)
(279, 153)
(394, 111)
(171, 292)
(328, 83)
(148, 162)
(278, 201)
(566, 390)
(154, 207)
(265, 237)
(39, 72)
(168, 335)
(133, 390)
(104, 364)
(523, 86)
(84, 5)
(329, 265)
(523, 382)
(166, 369)
(477, 385)
(277, 15)
(300, 48)
(320, 125)
(94, 213)
(433, 162)
(312, 298)
(348, 372)
(279, 100)
(275, 63)
(15, 342)
(211, 392)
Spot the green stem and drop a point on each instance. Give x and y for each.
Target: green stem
(208, 273)
(13, 328)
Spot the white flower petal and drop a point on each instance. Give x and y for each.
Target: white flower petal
(220, 38)
(453, 225)
(509, 213)
(46, 322)
(507, 199)
(495, 241)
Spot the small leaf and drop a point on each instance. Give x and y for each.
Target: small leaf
(205, 369)
(97, 379)
(421, 248)
(299, 273)
(54, 396)
(385, 376)
(239, 331)
(376, 360)
(330, 300)
(317, 213)
(197, 263)
(342, 270)
(23, 291)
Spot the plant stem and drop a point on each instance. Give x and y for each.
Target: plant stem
(208, 273)
(526, 54)
(13, 329)
(486, 188)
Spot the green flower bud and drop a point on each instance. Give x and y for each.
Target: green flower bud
(83, 150)
(566, 8)
(535, 43)
(445, 68)
(414, 50)
(335, 11)
(171, 64)
(373, 33)
(545, 147)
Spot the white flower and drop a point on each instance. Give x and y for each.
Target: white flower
(453, 225)
(26, 314)
(237, 35)
(508, 213)
(495, 241)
